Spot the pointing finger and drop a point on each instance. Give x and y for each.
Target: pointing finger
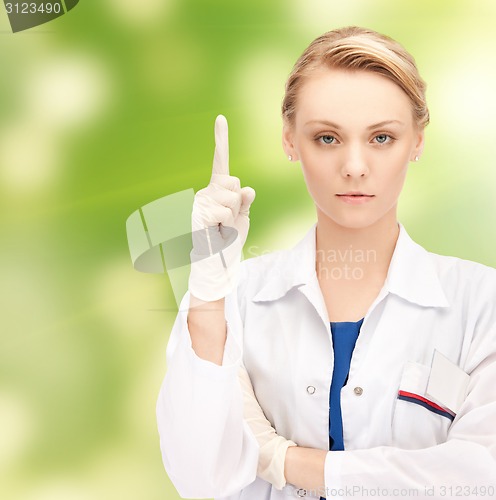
(221, 155)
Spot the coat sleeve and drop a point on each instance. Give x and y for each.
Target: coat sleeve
(207, 448)
(464, 465)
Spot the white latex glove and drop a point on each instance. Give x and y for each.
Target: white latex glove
(272, 446)
(220, 223)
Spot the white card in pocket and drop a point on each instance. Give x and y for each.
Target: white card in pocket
(448, 383)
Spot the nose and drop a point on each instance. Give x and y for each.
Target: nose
(354, 161)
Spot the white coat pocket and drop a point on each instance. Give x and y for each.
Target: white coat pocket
(418, 421)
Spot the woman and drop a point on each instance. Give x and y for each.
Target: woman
(372, 360)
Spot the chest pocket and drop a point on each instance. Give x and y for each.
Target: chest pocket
(418, 422)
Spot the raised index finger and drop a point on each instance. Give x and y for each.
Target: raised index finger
(221, 155)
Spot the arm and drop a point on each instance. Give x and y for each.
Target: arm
(207, 328)
(466, 459)
(280, 460)
(266, 452)
(208, 449)
(273, 447)
(304, 467)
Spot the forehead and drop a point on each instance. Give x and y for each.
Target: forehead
(351, 98)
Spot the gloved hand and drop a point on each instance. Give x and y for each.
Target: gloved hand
(220, 222)
(273, 447)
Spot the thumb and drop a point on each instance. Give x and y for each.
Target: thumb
(247, 197)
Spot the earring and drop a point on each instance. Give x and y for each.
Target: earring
(290, 158)
(417, 158)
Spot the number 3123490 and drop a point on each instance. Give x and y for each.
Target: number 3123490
(32, 8)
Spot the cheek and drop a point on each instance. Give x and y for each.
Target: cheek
(393, 179)
(314, 171)
(319, 182)
(315, 163)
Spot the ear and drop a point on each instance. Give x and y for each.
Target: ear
(288, 141)
(419, 146)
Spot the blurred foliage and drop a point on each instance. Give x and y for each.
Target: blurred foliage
(112, 106)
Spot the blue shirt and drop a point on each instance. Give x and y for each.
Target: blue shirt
(344, 336)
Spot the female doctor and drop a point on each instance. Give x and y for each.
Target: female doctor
(356, 363)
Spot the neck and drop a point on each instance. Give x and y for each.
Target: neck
(366, 250)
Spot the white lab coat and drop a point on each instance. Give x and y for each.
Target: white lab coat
(278, 327)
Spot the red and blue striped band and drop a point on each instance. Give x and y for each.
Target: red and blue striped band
(419, 400)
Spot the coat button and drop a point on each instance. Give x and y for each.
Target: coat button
(311, 389)
(301, 492)
(358, 391)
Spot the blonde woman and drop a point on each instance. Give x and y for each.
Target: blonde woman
(356, 363)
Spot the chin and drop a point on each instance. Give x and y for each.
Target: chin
(352, 221)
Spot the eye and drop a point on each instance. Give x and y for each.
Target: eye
(326, 139)
(382, 138)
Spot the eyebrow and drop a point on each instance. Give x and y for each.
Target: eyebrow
(336, 126)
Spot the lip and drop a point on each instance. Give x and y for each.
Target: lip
(349, 193)
(355, 197)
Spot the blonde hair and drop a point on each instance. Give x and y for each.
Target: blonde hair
(356, 48)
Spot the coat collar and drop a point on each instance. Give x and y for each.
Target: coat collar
(412, 274)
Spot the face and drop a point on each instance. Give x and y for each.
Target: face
(353, 131)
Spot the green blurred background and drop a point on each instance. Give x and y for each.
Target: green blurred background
(112, 106)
